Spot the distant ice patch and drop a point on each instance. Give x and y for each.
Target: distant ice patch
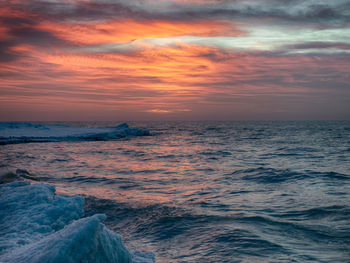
(36, 225)
(21, 132)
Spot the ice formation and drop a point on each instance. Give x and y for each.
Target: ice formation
(36, 225)
(17, 132)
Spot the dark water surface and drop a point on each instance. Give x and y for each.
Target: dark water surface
(211, 191)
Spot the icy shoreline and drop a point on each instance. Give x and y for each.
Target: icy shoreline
(22, 132)
(37, 225)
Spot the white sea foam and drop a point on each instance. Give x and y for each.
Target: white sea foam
(16, 132)
(36, 225)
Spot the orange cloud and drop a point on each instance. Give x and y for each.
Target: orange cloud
(127, 30)
(182, 81)
(158, 111)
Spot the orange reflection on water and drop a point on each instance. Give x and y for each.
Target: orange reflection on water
(128, 175)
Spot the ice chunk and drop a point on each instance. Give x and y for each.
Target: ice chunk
(36, 225)
(29, 212)
(84, 240)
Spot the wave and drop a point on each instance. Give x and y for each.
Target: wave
(266, 175)
(334, 211)
(276, 235)
(9, 174)
(295, 229)
(36, 225)
(22, 132)
(270, 175)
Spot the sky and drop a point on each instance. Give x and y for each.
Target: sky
(174, 60)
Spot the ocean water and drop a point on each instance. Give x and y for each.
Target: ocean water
(210, 191)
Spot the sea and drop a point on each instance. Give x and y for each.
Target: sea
(236, 191)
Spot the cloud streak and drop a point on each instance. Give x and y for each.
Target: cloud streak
(297, 11)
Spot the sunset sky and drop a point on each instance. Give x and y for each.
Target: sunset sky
(174, 60)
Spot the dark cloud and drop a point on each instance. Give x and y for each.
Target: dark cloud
(325, 15)
(6, 54)
(34, 36)
(76, 11)
(291, 11)
(322, 45)
(24, 31)
(17, 21)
